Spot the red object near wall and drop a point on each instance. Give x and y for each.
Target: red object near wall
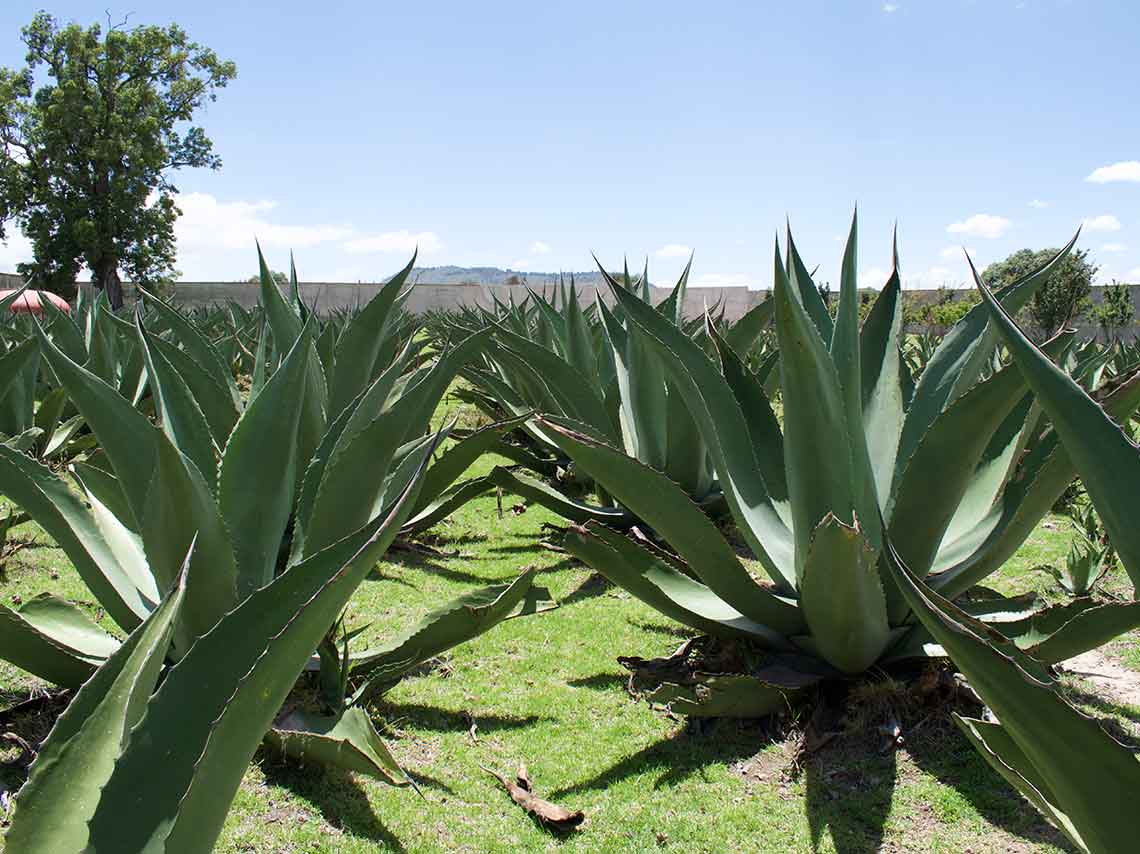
(31, 302)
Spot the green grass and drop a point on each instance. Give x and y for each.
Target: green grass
(547, 690)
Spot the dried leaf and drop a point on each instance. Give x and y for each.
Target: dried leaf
(549, 815)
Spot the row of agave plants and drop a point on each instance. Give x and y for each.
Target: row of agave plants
(223, 482)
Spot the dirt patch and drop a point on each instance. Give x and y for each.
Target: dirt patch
(1114, 679)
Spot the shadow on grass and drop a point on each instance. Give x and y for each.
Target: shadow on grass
(436, 719)
(592, 587)
(338, 796)
(600, 681)
(848, 793)
(679, 632)
(1109, 712)
(426, 563)
(942, 751)
(682, 755)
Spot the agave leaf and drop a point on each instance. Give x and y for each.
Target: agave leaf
(180, 416)
(742, 335)
(53, 639)
(842, 598)
(763, 426)
(712, 405)
(882, 382)
(959, 359)
(213, 398)
(818, 484)
(929, 489)
(664, 507)
(447, 503)
(652, 580)
(125, 435)
(56, 507)
(181, 511)
(348, 741)
(65, 782)
(197, 347)
(576, 395)
(1060, 632)
(353, 478)
(546, 496)
(460, 620)
(805, 292)
(1043, 476)
(994, 743)
(259, 469)
(360, 344)
(1086, 774)
(363, 410)
(459, 457)
(206, 720)
(1107, 460)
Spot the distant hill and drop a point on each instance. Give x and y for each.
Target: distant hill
(451, 275)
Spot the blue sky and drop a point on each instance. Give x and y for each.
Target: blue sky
(527, 135)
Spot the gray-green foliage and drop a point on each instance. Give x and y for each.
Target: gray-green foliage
(956, 469)
(280, 501)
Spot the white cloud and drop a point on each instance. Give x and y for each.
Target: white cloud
(207, 223)
(874, 277)
(1037, 203)
(890, 7)
(522, 265)
(1125, 170)
(674, 250)
(951, 253)
(1104, 222)
(1114, 247)
(405, 242)
(987, 226)
(539, 248)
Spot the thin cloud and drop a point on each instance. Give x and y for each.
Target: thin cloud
(539, 248)
(207, 223)
(1104, 222)
(402, 241)
(986, 226)
(1114, 247)
(1037, 203)
(890, 7)
(950, 253)
(674, 250)
(1125, 170)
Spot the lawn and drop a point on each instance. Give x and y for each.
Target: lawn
(547, 691)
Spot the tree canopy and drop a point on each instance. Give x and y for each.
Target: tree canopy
(91, 130)
(1064, 296)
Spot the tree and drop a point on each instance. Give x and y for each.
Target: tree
(86, 158)
(1065, 294)
(278, 277)
(1115, 312)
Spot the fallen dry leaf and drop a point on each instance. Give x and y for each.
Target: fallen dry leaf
(549, 815)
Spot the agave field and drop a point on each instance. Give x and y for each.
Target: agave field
(554, 573)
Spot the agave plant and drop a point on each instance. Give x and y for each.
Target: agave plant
(313, 455)
(1080, 777)
(861, 454)
(203, 724)
(592, 366)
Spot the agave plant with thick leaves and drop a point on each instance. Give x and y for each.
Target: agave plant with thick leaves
(1080, 777)
(258, 484)
(861, 454)
(592, 366)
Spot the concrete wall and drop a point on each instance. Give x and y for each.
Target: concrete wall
(426, 297)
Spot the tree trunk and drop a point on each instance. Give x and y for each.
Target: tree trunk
(106, 278)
